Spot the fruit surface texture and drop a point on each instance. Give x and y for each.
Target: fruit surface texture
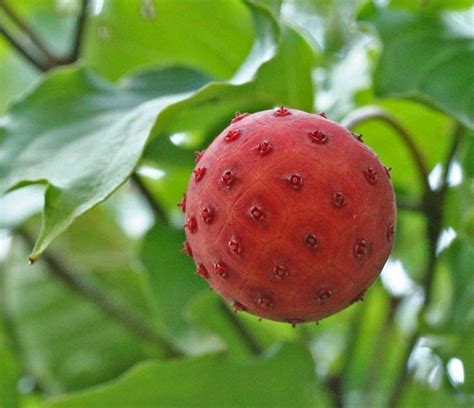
(288, 215)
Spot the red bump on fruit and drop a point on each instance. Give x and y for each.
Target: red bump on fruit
(318, 136)
(390, 232)
(199, 173)
(311, 241)
(323, 296)
(198, 155)
(361, 248)
(294, 222)
(221, 269)
(232, 135)
(207, 214)
(295, 181)
(256, 213)
(282, 111)
(182, 203)
(264, 301)
(358, 298)
(371, 175)
(264, 148)
(187, 249)
(338, 199)
(280, 272)
(201, 270)
(238, 307)
(294, 322)
(228, 178)
(239, 116)
(234, 246)
(191, 224)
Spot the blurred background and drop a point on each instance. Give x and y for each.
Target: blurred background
(102, 105)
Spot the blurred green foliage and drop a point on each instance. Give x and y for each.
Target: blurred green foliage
(156, 80)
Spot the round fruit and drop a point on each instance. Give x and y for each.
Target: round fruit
(289, 216)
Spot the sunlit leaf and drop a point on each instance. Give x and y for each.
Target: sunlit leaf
(428, 58)
(282, 379)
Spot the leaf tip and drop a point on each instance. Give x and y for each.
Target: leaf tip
(33, 258)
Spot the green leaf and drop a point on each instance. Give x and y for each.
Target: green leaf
(419, 395)
(172, 279)
(10, 369)
(83, 137)
(429, 58)
(67, 342)
(283, 379)
(430, 5)
(123, 35)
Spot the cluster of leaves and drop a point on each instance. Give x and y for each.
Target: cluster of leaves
(112, 314)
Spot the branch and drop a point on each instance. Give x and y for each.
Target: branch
(127, 317)
(37, 62)
(371, 113)
(78, 36)
(156, 208)
(409, 205)
(31, 35)
(433, 209)
(241, 330)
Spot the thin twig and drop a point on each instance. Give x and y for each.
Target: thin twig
(79, 33)
(409, 205)
(375, 113)
(335, 386)
(156, 208)
(433, 208)
(37, 62)
(102, 299)
(24, 27)
(249, 341)
(458, 131)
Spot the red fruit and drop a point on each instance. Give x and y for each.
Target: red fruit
(290, 215)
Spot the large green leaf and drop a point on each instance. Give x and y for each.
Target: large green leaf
(283, 379)
(430, 5)
(11, 371)
(213, 36)
(67, 342)
(172, 278)
(427, 57)
(82, 137)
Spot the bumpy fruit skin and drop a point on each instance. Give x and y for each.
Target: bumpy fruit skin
(289, 216)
